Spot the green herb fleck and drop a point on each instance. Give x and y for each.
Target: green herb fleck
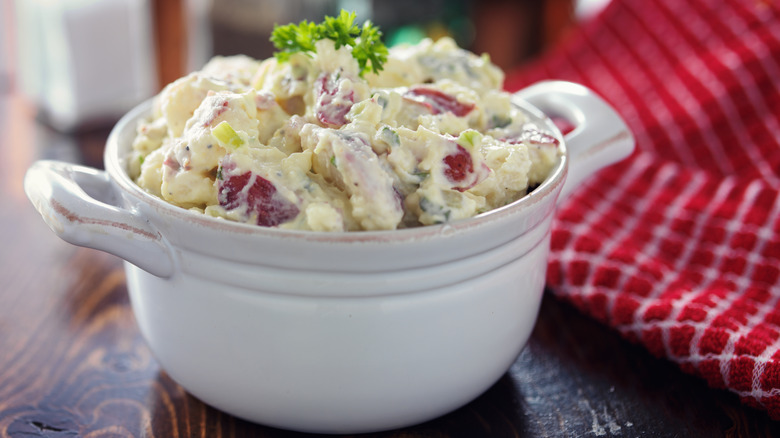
(499, 121)
(438, 213)
(421, 174)
(390, 136)
(382, 101)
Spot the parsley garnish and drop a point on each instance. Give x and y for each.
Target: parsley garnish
(342, 29)
(293, 38)
(366, 42)
(370, 49)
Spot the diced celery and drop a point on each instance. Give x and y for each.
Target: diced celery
(469, 138)
(226, 135)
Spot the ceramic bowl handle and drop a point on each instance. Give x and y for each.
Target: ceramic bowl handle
(79, 204)
(600, 136)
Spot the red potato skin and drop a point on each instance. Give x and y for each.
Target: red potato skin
(438, 102)
(460, 171)
(331, 109)
(261, 197)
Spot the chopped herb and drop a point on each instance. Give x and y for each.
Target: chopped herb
(499, 121)
(439, 213)
(390, 136)
(382, 101)
(333, 161)
(219, 173)
(421, 175)
(141, 159)
(426, 205)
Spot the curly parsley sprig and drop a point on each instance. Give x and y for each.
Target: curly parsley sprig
(370, 49)
(366, 42)
(294, 38)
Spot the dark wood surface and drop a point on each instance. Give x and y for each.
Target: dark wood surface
(72, 362)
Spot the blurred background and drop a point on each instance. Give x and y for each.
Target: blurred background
(77, 65)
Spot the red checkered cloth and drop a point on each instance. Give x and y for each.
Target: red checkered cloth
(678, 247)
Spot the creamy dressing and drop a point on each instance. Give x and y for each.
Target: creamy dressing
(309, 144)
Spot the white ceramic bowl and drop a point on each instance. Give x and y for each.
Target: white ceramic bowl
(331, 332)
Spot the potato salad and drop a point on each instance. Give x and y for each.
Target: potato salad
(312, 142)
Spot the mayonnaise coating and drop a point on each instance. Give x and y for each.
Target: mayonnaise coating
(310, 144)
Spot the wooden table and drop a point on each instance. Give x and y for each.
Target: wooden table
(72, 362)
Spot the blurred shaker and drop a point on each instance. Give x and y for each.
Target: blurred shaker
(84, 61)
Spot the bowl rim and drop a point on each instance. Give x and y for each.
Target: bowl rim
(116, 166)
